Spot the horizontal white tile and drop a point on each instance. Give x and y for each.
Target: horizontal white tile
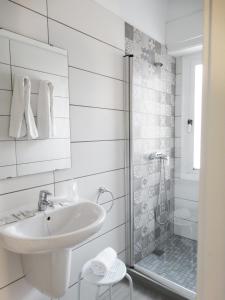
(62, 128)
(178, 84)
(38, 6)
(85, 52)
(187, 189)
(94, 157)
(4, 50)
(21, 290)
(25, 182)
(90, 124)
(88, 186)
(39, 150)
(23, 21)
(25, 55)
(186, 228)
(61, 107)
(101, 92)
(5, 102)
(186, 209)
(28, 198)
(5, 77)
(11, 267)
(60, 83)
(6, 172)
(43, 166)
(114, 239)
(115, 217)
(91, 18)
(7, 153)
(178, 126)
(4, 128)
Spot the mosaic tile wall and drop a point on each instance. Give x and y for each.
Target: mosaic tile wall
(153, 130)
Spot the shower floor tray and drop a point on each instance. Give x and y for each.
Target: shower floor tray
(177, 263)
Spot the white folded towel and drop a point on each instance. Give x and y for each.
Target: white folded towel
(103, 262)
(22, 121)
(45, 110)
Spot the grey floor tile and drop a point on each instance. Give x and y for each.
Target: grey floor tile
(178, 263)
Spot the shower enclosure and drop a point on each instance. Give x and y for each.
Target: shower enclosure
(156, 250)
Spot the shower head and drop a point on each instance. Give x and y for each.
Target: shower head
(158, 64)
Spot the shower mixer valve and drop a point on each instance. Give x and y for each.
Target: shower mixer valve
(158, 155)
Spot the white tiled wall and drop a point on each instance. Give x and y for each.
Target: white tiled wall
(27, 22)
(102, 91)
(94, 129)
(186, 191)
(91, 55)
(101, 24)
(94, 39)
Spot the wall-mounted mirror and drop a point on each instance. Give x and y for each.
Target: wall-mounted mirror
(34, 107)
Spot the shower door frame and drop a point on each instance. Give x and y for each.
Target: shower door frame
(128, 83)
(169, 286)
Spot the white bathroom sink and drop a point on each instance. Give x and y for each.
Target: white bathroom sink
(53, 229)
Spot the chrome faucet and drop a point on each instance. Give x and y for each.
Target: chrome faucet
(43, 202)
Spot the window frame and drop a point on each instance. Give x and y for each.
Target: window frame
(188, 96)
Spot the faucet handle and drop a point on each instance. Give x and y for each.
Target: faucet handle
(43, 202)
(44, 194)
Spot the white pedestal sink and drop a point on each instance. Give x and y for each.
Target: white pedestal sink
(46, 241)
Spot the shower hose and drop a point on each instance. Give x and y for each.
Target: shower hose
(162, 205)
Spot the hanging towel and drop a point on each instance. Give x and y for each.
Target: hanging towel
(22, 121)
(45, 110)
(103, 262)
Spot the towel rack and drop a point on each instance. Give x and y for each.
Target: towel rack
(102, 190)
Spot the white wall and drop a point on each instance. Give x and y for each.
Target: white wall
(184, 28)
(96, 116)
(147, 15)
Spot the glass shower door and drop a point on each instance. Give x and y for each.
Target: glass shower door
(150, 89)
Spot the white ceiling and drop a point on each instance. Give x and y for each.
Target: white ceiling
(155, 17)
(147, 15)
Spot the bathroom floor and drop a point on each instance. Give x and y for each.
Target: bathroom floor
(178, 263)
(141, 292)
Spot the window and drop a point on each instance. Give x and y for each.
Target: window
(191, 115)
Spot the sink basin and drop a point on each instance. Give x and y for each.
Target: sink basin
(54, 229)
(45, 242)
